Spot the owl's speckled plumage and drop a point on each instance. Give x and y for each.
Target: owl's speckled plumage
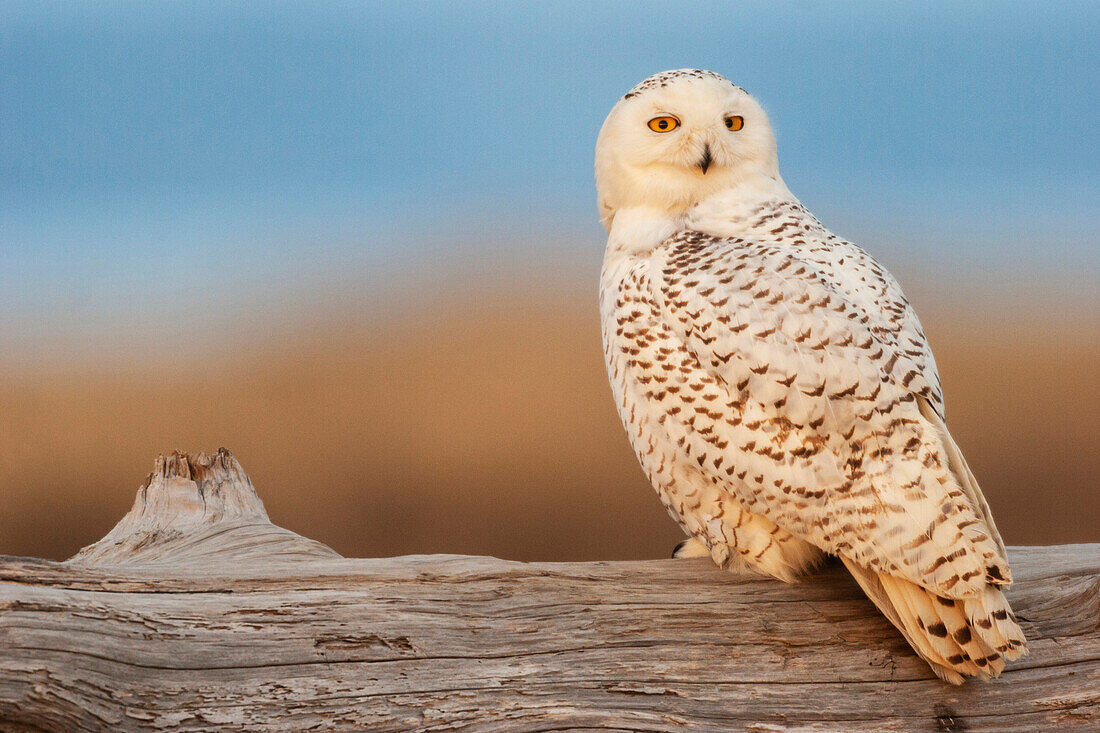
(775, 383)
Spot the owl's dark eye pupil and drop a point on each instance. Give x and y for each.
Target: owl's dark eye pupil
(663, 124)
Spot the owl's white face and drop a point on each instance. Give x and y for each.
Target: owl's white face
(679, 137)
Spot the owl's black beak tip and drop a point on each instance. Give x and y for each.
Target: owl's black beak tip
(704, 164)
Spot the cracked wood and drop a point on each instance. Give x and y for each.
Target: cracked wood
(196, 613)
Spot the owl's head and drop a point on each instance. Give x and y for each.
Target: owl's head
(678, 137)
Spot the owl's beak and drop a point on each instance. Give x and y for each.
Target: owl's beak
(704, 164)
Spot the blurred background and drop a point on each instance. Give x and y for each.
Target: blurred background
(357, 244)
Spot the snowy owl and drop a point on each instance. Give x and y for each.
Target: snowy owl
(776, 385)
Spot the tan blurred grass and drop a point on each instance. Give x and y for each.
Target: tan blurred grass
(485, 426)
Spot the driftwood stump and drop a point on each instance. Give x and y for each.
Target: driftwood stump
(196, 613)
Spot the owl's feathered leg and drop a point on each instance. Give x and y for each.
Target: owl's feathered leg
(691, 547)
(958, 637)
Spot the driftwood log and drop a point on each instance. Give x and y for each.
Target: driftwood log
(196, 613)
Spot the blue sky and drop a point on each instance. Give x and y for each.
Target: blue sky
(241, 145)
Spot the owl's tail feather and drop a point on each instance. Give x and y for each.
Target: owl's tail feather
(958, 637)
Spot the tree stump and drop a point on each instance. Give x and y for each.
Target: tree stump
(196, 613)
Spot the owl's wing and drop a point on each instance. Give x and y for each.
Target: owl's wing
(809, 408)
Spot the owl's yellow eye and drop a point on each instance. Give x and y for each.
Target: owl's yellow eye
(735, 122)
(665, 123)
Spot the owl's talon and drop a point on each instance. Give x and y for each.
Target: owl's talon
(691, 547)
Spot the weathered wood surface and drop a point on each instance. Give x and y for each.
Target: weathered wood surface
(196, 613)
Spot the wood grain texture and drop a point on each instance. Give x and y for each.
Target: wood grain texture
(201, 615)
